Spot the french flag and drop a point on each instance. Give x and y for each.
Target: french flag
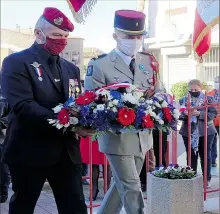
(206, 17)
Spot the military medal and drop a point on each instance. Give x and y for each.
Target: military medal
(38, 70)
(71, 88)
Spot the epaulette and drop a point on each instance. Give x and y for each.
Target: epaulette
(147, 53)
(101, 56)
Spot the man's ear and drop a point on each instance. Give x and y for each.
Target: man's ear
(115, 36)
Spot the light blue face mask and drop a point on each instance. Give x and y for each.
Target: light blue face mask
(129, 47)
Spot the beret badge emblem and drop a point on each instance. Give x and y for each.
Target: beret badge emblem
(58, 21)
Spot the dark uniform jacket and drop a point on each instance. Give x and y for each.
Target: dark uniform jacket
(30, 139)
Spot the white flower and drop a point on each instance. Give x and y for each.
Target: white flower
(114, 109)
(138, 94)
(129, 98)
(149, 101)
(161, 122)
(74, 120)
(164, 104)
(175, 111)
(176, 115)
(108, 108)
(160, 98)
(166, 171)
(131, 88)
(57, 109)
(100, 107)
(115, 102)
(152, 114)
(59, 126)
(157, 104)
(110, 104)
(95, 111)
(66, 125)
(157, 118)
(52, 121)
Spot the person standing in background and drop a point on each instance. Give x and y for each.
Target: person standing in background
(4, 172)
(215, 94)
(197, 118)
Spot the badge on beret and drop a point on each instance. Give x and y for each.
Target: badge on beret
(58, 21)
(89, 70)
(38, 70)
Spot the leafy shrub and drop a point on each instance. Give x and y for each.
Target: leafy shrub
(180, 89)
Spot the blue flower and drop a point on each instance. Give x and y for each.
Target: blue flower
(69, 102)
(116, 95)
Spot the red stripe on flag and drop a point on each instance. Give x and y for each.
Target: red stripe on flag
(199, 25)
(201, 46)
(77, 4)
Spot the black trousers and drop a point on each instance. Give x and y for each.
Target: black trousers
(200, 153)
(156, 140)
(65, 179)
(4, 176)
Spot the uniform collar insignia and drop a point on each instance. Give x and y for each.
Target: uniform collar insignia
(36, 64)
(58, 21)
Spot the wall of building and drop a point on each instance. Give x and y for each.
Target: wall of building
(170, 26)
(73, 52)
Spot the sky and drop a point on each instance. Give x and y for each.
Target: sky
(97, 31)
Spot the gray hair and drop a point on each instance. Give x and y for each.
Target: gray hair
(43, 24)
(119, 33)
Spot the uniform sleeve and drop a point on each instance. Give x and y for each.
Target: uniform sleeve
(17, 89)
(98, 77)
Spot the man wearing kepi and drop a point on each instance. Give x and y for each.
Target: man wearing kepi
(33, 82)
(125, 152)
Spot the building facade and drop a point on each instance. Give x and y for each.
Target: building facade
(170, 25)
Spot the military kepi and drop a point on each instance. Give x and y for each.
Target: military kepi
(58, 19)
(130, 22)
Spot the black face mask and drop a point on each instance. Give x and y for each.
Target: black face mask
(195, 93)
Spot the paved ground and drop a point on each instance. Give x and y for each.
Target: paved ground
(46, 203)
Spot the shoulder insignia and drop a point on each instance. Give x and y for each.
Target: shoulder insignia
(146, 53)
(89, 70)
(101, 56)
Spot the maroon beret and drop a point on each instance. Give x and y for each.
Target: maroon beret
(58, 19)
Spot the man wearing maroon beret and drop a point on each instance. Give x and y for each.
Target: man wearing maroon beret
(34, 81)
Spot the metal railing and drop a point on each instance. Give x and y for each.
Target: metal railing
(172, 149)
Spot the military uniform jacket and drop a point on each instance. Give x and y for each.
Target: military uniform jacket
(111, 69)
(30, 139)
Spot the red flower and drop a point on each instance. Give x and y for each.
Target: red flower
(167, 114)
(63, 116)
(147, 122)
(126, 116)
(86, 99)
